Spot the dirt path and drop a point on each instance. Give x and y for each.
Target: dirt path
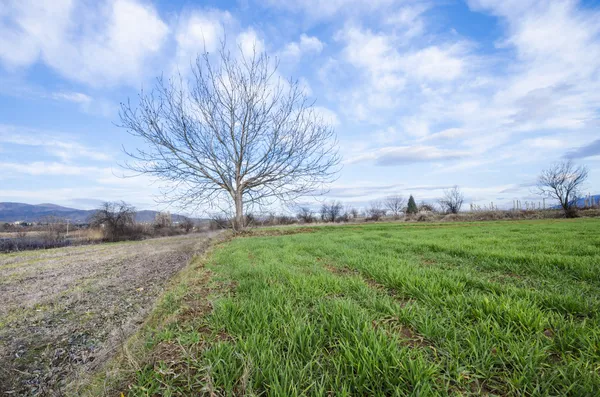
(67, 310)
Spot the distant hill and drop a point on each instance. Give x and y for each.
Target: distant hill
(582, 201)
(594, 198)
(14, 212)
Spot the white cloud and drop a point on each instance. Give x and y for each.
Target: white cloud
(398, 155)
(306, 45)
(320, 10)
(58, 145)
(328, 115)
(389, 71)
(250, 43)
(45, 168)
(199, 31)
(408, 19)
(76, 97)
(441, 90)
(97, 44)
(379, 55)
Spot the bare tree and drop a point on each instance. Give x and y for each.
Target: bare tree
(395, 204)
(53, 228)
(423, 206)
(115, 218)
(376, 211)
(452, 201)
(562, 181)
(219, 221)
(163, 220)
(332, 211)
(186, 224)
(235, 133)
(305, 214)
(353, 212)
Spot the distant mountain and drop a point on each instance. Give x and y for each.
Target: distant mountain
(14, 212)
(594, 199)
(581, 202)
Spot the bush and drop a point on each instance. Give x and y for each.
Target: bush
(376, 211)
(424, 218)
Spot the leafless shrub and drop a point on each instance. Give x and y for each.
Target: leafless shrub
(452, 200)
(53, 229)
(163, 220)
(331, 212)
(562, 181)
(285, 220)
(344, 216)
(425, 207)
(186, 224)
(376, 211)
(424, 218)
(219, 221)
(305, 215)
(117, 221)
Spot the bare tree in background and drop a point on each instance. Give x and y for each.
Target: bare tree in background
(452, 201)
(186, 224)
(305, 214)
(562, 181)
(163, 220)
(376, 210)
(235, 132)
(115, 218)
(332, 211)
(395, 205)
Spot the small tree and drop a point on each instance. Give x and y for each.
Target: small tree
(376, 211)
(115, 218)
(562, 181)
(331, 212)
(305, 214)
(412, 206)
(53, 227)
(186, 224)
(163, 220)
(353, 212)
(395, 205)
(452, 200)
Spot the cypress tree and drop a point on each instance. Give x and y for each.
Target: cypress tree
(412, 206)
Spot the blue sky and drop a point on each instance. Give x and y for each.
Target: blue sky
(423, 94)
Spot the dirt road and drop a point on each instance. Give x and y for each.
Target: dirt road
(67, 310)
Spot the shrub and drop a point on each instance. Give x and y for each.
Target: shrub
(305, 215)
(376, 211)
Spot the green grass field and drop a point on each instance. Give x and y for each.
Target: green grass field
(496, 308)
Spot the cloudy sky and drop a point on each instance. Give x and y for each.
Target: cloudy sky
(423, 94)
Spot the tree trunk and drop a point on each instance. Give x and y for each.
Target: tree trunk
(239, 212)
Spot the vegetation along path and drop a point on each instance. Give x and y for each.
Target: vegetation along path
(496, 308)
(65, 311)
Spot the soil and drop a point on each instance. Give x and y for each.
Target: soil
(66, 311)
